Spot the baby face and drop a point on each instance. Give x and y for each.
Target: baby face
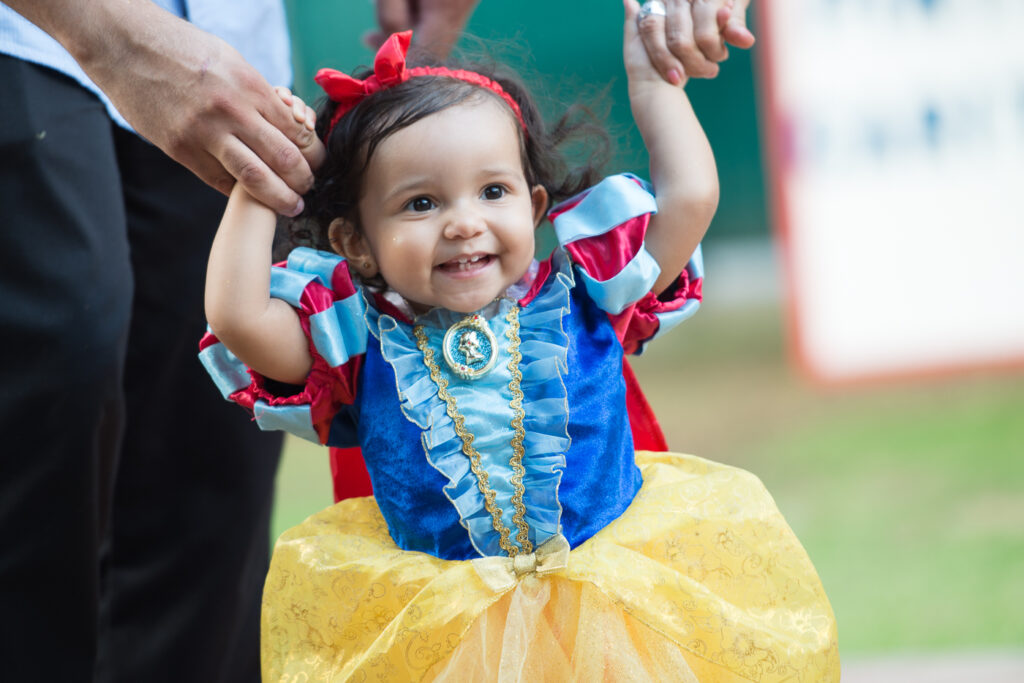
(447, 213)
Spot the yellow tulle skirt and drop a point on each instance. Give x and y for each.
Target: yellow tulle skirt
(700, 579)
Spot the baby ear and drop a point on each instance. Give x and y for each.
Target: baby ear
(539, 197)
(350, 243)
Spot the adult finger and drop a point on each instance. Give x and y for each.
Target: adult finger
(679, 33)
(230, 139)
(394, 15)
(652, 30)
(735, 30)
(249, 169)
(374, 38)
(439, 23)
(260, 146)
(210, 170)
(278, 140)
(705, 29)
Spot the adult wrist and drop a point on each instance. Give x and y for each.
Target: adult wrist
(101, 33)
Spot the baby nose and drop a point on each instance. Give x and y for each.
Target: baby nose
(463, 222)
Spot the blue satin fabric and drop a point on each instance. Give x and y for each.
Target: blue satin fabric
(669, 319)
(610, 203)
(600, 477)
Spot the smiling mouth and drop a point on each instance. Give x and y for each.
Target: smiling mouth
(466, 264)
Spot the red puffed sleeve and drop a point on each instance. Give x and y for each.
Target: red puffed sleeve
(603, 231)
(330, 308)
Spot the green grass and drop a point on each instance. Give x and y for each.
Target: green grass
(908, 496)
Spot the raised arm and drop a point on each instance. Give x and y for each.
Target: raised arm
(264, 333)
(682, 166)
(186, 91)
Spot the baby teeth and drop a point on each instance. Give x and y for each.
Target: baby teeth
(463, 263)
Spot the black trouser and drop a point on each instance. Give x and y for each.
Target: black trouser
(134, 501)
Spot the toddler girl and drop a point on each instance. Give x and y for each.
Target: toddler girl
(514, 533)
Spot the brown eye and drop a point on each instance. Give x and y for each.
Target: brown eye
(494, 192)
(420, 204)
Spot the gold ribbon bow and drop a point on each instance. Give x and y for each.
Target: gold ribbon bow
(501, 573)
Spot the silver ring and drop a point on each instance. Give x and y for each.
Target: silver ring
(651, 8)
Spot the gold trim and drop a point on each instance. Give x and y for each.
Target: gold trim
(519, 432)
(518, 437)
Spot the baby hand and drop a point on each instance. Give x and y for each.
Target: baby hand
(690, 38)
(308, 143)
(639, 34)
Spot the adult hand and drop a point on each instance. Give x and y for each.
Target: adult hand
(196, 98)
(188, 92)
(436, 24)
(693, 36)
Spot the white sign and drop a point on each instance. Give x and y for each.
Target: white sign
(895, 131)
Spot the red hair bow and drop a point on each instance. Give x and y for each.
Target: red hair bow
(388, 71)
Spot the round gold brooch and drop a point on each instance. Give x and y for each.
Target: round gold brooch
(470, 348)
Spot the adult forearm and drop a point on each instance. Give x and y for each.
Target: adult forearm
(186, 91)
(95, 30)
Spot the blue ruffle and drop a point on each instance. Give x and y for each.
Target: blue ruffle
(667, 320)
(338, 332)
(602, 208)
(628, 286)
(610, 203)
(484, 403)
(544, 346)
(226, 371)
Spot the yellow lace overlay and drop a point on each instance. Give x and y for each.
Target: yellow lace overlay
(700, 579)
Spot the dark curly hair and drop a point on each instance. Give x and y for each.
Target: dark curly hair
(338, 184)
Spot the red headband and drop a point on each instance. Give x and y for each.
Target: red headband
(388, 71)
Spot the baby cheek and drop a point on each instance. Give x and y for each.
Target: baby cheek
(400, 242)
(389, 244)
(403, 254)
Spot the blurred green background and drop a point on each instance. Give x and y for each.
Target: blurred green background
(909, 496)
(584, 67)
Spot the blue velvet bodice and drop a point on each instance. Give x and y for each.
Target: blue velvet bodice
(599, 479)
